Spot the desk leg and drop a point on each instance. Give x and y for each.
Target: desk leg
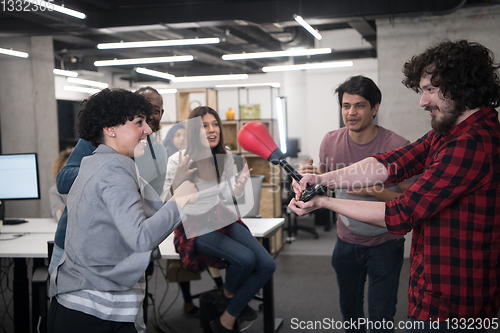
(145, 305)
(270, 324)
(21, 297)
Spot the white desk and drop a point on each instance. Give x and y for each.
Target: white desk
(24, 245)
(36, 232)
(260, 228)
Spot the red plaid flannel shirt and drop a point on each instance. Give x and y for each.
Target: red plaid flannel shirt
(197, 262)
(454, 211)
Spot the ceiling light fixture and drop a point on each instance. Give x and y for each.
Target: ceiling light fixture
(210, 78)
(81, 89)
(90, 83)
(64, 72)
(158, 43)
(243, 85)
(137, 61)
(49, 7)
(151, 72)
(318, 65)
(14, 53)
(306, 26)
(274, 54)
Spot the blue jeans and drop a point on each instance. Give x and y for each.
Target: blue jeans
(382, 264)
(249, 264)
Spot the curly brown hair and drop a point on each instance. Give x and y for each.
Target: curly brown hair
(464, 71)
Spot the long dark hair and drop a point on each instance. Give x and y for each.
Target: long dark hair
(465, 72)
(219, 152)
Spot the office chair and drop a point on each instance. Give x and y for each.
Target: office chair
(256, 188)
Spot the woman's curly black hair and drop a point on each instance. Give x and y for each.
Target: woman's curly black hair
(465, 72)
(107, 108)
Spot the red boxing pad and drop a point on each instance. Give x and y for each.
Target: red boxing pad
(255, 138)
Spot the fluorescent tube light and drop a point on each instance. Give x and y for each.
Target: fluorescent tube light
(243, 85)
(136, 61)
(96, 84)
(14, 53)
(166, 91)
(274, 54)
(306, 26)
(281, 109)
(318, 65)
(81, 89)
(49, 6)
(64, 73)
(158, 43)
(151, 72)
(210, 78)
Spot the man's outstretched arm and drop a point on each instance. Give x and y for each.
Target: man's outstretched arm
(370, 212)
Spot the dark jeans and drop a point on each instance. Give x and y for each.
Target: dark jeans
(382, 264)
(64, 320)
(250, 265)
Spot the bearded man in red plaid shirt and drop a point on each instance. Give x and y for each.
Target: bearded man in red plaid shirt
(454, 207)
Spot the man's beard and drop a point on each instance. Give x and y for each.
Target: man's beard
(447, 121)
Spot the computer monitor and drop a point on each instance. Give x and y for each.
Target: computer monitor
(19, 178)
